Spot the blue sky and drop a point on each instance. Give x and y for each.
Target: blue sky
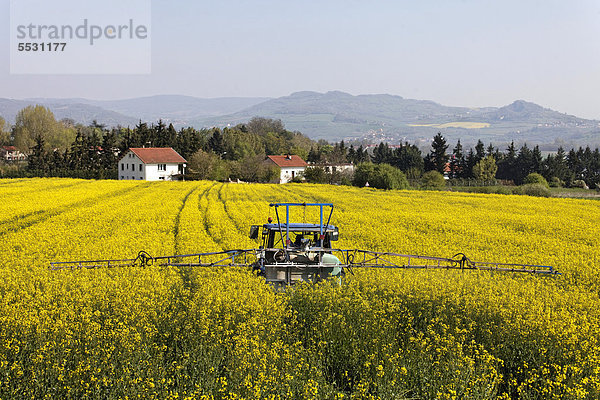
(469, 53)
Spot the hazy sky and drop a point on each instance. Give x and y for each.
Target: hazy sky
(463, 53)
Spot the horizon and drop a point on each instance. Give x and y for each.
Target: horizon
(291, 94)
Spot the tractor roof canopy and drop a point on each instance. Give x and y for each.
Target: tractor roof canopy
(296, 227)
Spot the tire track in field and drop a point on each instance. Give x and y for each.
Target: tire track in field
(25, 221)
(234, 223)
(219, 239)
(254, 195)
(204, 195)
(10, 181)
(209, 202)
(47, 189)
(314, 197)
(29, 214)
(178, 220)
(295, 195)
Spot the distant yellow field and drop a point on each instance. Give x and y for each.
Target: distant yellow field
(466, 125)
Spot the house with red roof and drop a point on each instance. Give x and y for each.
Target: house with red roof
(151, 164)
(11, 153)
(291, 166)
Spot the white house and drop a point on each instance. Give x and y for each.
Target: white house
(10, 153)
(151, 164)
(290, 165)
(335, 167)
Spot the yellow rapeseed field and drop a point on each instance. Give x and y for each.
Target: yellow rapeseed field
(461, 124)
(185, 333)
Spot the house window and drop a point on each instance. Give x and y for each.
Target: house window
(140, 167)
(293, 174)
(122, 177)
(162, 178)
(127, 167)
(122, 167)
(162, 167)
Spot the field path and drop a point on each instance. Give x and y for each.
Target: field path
(191, 235)
(177, 223)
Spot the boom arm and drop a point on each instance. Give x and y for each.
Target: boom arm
(349, 259)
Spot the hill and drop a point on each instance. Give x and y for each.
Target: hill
(337, 115)
(68, 108)
(179, 110)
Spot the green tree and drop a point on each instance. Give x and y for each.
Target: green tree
(38, 158)
(507, 167)
(313, 155)
(381, 176)
(315, 175)
(253, 169)
(433, 180)
(486, 169)
(470, 161)
(239, 145)
(37, 121)
(438, 157)
(109, 148)
(190, 141)
(4, 133)
(382, 154)
(536, 159)
(535, 178)
(363, 173)
(262, 126)
(408, 157)
(216, 143)
(389, 178)
(479, 151)
(555, 166)
(207, 165)
(457, 162)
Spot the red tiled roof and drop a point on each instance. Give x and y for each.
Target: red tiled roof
(155, 155)
(9, 148)
(288, 161)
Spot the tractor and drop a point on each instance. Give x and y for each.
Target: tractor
(293, 252)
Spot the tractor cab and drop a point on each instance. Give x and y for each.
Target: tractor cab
(295, 236)
(292, 252)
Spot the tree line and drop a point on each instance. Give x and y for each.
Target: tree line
(63, 148)
(574, 168)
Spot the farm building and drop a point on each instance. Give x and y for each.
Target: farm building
(151, 164)
(335, 167)
(10, 153)
(291, 166)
